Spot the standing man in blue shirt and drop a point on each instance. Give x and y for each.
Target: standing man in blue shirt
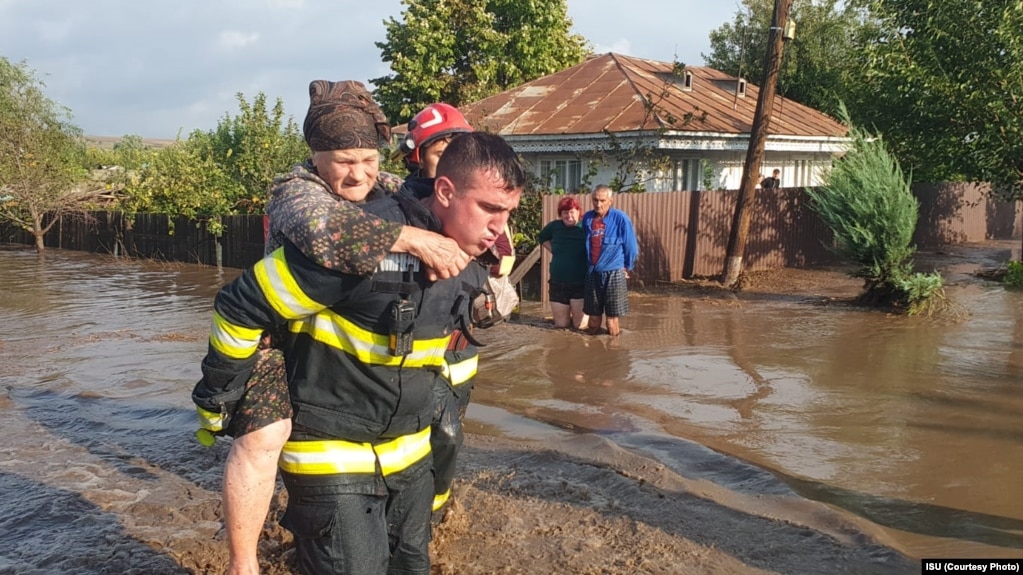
(611, 249)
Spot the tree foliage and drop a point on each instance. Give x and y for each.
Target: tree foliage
(183, 180)
(867, 202)
(223, 171)
(253, 147)
(41, 154)
(526, 220)
(460, 51)
(820, 64)
(945, 81)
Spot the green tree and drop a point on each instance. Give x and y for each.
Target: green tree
(945, 81)
(131, 152)
(40, 155)
(183, 179)
(526, 221)
(218, 172)
(460, 51)
(112, 168)
(253, 148)
(820, 63)
(867, 202)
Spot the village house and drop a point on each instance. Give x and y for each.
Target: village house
(655, 126)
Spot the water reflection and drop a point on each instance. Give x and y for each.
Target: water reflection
(913, 424)
(587, 377)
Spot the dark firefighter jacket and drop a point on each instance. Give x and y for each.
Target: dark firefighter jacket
(344, 381)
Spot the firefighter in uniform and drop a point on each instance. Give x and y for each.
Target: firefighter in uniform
(315, 207)
(362, 356)
(429, 133)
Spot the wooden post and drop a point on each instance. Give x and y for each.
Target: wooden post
(757, 139)
(524, 266)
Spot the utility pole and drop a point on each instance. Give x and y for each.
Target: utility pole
(757, 138)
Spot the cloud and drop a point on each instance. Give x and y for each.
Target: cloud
(619, 46)
(152, 68)
(286, 4)
(54, 31)
(232, 39)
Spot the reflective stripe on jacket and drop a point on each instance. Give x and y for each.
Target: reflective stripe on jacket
(336, 456)
(345, 384)
(460, 371)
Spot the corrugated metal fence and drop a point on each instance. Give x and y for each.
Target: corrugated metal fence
(681, 234)
(685, 234)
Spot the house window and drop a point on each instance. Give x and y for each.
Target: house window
(687, 84)
(803, 177)
(740, 90)
(687, 175)
(566, 175)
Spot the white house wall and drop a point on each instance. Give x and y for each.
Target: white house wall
(797, 169)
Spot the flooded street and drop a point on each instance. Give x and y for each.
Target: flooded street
(911, 426)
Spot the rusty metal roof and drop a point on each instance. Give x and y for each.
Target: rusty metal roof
(611, 92)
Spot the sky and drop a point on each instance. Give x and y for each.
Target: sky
(163, 68)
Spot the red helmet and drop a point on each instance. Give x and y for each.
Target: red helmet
(432, 123)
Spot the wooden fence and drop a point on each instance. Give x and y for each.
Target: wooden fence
(681, 234)
(154, 236)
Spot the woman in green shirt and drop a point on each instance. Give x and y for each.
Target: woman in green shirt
(565, 239)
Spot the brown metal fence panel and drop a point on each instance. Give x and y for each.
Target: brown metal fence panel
(958, 212)
(786, 232)
(682, 235)
(663, 229)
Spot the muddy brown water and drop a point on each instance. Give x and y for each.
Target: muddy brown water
(913, 425)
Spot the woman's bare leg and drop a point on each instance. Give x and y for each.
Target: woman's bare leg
(250, 475)
(561, 314)
(578, 317)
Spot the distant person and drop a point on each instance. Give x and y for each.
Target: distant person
(773, 182)
(611, 251)
(565, 239)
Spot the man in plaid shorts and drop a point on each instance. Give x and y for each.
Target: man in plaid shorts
(611, 249)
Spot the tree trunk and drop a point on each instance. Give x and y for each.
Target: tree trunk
(757, 140)
(39, 232)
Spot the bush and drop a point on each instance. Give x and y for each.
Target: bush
(867, 203)
(1014, 274)
(923, 294)
(224, 171)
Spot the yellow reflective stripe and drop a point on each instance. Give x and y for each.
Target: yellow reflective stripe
(505, 265)
(400, 453)
(327, 457)
(280, 288)
(440, 499)
(210, 420)
(368, 347)
(336, 456)
(462, 371)
(232, 340)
